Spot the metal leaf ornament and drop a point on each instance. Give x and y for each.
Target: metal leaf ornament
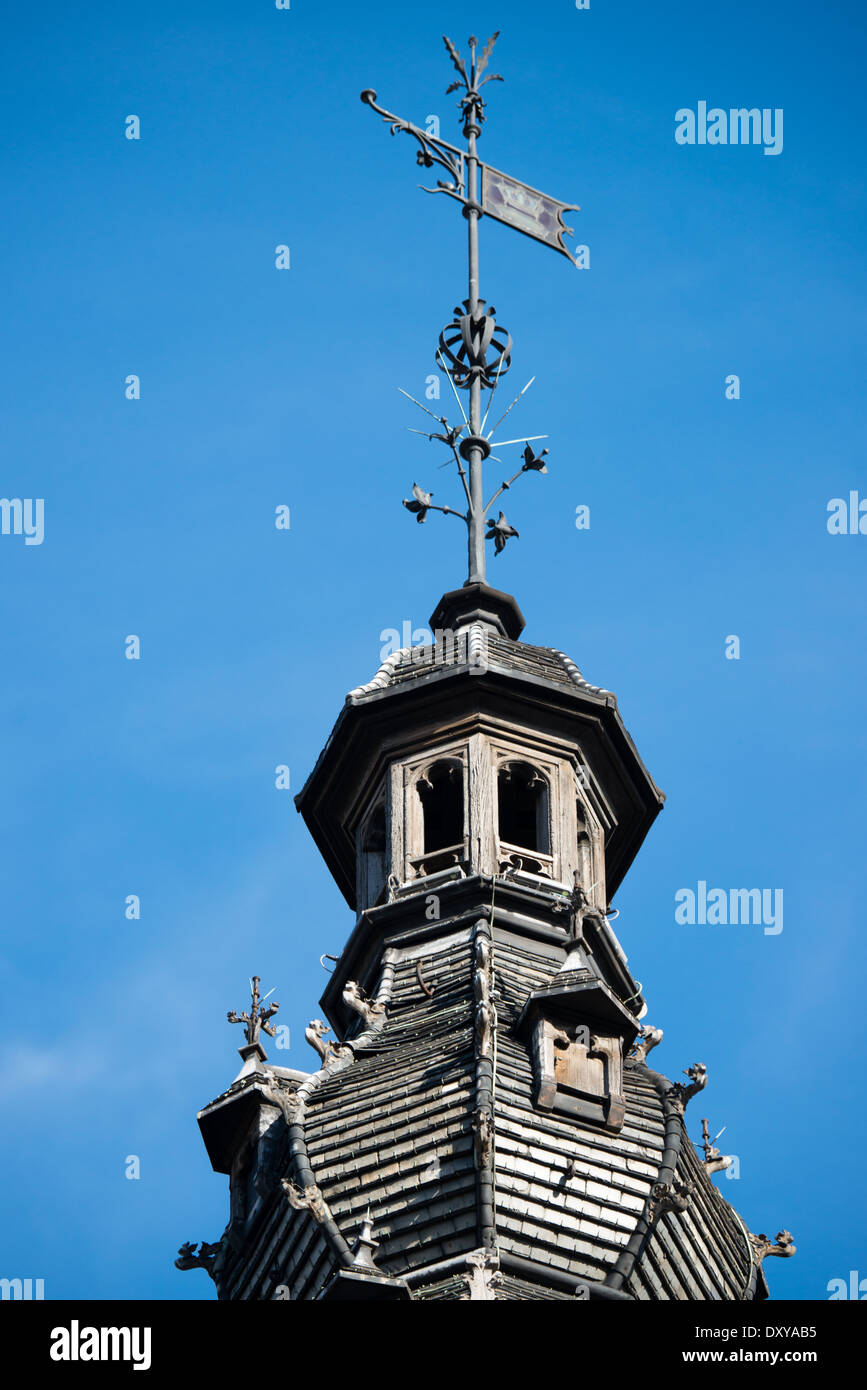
(420, 504)
(534, 461)
(499, 532)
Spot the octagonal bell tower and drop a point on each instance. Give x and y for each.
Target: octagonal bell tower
(482, 1122)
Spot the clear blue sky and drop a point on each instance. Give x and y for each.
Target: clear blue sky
(261, 387)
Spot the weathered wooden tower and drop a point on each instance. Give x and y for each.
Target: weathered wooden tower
(484, 1124)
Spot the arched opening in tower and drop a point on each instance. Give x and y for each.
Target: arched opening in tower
(442, 797)
(522, 807)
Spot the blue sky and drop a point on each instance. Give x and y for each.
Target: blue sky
(261, 387)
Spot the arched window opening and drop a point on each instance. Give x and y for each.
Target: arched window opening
(441, 791)
(522, 803)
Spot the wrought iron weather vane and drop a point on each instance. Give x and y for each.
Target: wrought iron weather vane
(474, 351)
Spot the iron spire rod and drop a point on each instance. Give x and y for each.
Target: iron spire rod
(476, 526)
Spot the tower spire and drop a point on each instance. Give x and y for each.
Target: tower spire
(474, 351)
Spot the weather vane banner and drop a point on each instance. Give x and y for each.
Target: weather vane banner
(525, 208)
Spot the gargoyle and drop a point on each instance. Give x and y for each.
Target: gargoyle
(355, 998)
(314, 1033)
(648, 1038)
(784, 1246)
(666, 1196)
(680, 1094)
(207, 1254)
(715, 1161)
(305, 1199)
(286, 1100)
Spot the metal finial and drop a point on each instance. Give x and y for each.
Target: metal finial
(471, 104)
(365, 1245)
(714, 1160)
(257, 1018)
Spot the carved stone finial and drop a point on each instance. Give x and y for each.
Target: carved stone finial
(258, 1017)
(188, 1258)
(355, 998)
(667, 1196)
(784, 1246)
(648, 1038)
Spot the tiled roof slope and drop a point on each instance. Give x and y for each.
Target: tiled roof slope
(578, 1224)
(392, 1132)
(719, 1263)
(476, 645)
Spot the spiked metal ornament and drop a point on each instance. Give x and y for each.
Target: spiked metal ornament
(474, 351)
(257, 1018)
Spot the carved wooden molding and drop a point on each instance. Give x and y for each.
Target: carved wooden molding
(484, 1027)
